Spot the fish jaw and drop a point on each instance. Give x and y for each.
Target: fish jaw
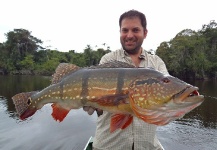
(180, 104)
(22, 102)
(28, 113)
(185, 93)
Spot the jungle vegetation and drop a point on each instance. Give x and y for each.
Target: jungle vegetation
(22, 53)
(190, 54)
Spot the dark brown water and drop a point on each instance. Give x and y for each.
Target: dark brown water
(196, 131)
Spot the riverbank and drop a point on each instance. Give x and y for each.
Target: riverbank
(28, 72)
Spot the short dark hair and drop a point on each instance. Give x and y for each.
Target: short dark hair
(134, 13)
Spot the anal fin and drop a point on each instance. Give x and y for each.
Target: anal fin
(59, 113)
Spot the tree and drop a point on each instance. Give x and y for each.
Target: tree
(22, 41)
(209, 32)
(19, 44)
(27, 62)
(88, 56)
(2, 56)
(185, 54)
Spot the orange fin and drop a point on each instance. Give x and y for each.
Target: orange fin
(62, 70)
(111, 100)
(59, 113)
(120, 121)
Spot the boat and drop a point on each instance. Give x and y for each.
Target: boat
(89, 145)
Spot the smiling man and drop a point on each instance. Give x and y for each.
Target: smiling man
(138, 135)
(132, 33)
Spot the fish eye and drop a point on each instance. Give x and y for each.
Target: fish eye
(29, 101)
(165, 80)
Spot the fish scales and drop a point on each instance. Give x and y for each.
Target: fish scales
(92, 84)
(115, 87)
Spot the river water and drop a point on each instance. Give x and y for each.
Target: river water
(195, 131)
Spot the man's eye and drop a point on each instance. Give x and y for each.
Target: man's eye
(135, 30)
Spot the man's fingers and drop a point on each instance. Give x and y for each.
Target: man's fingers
(86, 108)
(91, 110)
(99, 111)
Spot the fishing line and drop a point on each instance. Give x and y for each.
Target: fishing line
(210, 97)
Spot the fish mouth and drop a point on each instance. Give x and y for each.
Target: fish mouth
(188, 95)
(180, 104)
(27, 113)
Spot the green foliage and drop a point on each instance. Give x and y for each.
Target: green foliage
(27, 62)
(22, 53)
(76, 58)
(2, 56)
(19, 44)
(191, 54)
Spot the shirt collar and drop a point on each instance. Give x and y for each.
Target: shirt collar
(125, 54)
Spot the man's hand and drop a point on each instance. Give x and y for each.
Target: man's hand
(90, 110)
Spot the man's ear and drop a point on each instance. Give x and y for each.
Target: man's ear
(145, 33)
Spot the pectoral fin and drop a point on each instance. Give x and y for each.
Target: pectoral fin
(120, 121)
(59, 113)
(111, 100)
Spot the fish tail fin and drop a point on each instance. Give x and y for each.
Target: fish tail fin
(21, 102)
(59, 113)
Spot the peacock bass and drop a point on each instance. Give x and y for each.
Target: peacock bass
(116, 87)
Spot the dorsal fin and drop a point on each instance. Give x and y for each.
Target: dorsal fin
(65, 68)
(113, 64)
(62, 70)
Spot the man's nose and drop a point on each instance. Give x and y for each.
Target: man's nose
(130, 34)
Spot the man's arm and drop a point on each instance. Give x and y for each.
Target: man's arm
(161, 65)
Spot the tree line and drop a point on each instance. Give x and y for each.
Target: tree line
(22, 53)
(190, 54)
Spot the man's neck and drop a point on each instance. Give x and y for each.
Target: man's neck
(135, 58)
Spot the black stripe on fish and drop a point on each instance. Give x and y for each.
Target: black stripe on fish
(61, 89)
(84, 91)
(120, 81)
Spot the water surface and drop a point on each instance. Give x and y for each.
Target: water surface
(196, 131)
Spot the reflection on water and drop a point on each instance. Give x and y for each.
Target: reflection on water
(197, 130)
(42, 132)
(187, 134)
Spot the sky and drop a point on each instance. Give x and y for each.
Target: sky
(73, 24)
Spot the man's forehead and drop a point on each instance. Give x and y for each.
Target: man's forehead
(132, 22)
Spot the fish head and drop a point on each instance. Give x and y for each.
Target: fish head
(163, 98)
(24, 104)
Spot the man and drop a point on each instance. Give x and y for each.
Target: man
(139, 135)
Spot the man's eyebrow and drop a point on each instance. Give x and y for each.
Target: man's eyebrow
(124, 29)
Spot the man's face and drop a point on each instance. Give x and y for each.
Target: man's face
(132, 34)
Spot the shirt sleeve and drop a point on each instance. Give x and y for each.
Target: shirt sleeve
(161, 65)
(106, 58)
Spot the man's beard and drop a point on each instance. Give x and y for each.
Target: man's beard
(132, 51)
